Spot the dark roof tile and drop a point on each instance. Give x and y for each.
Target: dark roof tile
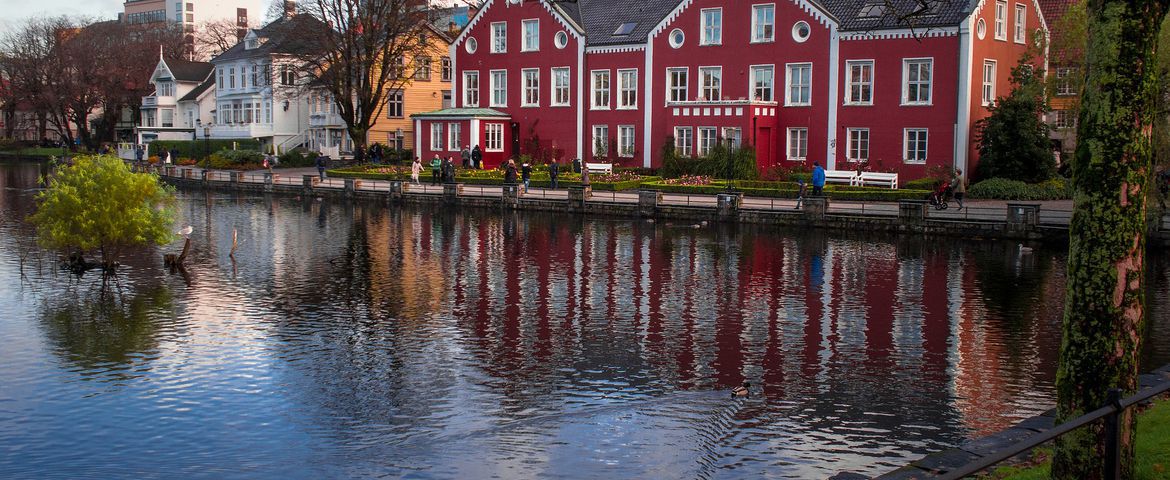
(185, 71)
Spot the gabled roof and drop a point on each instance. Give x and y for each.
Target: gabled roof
(194, 94)
(185, 71)
(285, 35)
(865, 15)
(602, 18)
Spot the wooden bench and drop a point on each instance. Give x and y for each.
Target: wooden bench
(878, 179)
(846, 177)
(606, 168)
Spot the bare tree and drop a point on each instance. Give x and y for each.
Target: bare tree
(215, 37)
(363, 56)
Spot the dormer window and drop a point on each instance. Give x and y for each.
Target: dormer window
(873, 10)
(165, 89)
(251, 43)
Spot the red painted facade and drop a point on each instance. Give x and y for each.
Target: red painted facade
(822, 122)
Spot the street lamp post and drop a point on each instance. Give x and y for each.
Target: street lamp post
(207, 147)
(730, 165)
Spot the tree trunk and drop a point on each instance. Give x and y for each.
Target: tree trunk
(1104, 302)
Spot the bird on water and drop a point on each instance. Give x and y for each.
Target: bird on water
(741, 391)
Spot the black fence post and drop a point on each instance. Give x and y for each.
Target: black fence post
(1113, 436)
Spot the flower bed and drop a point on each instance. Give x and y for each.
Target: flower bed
(780, 189)
(623, 180)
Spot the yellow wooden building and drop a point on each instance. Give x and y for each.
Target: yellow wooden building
(427, 88)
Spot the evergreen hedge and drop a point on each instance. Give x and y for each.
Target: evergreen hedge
(198, 148)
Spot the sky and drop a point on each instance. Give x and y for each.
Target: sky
(15, 12)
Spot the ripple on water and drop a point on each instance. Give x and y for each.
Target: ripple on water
(353, 340)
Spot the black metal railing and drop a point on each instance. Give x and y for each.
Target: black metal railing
(1111, 413)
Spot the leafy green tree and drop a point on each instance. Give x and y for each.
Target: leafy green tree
(1013, 141)
(1104, 313)
(98, 205)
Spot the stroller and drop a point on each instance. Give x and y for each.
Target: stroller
(940, 196)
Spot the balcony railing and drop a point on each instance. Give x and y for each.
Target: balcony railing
(325, 120)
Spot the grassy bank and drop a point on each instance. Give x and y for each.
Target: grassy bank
(1153, 450)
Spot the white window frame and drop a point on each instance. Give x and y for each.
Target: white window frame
(437, 139)
(525, 46)
(1001, 20)
(988, 91)
(716, 88)
(671, 88)
(1021, 32)
(788, 100)
(1064, 86)
(857, 144)
(715, 30)
(558, 89)
(499, 86)
(530, 91)
(801, 144)
(627, 89)
(707, 142)
(684, 144)
(493, 137)
(864, 87)
(467, 92)
(454, 131)
(725, 134)
(913, 158)
(497, 35)
(395, 103)
(594, 104)
(600, 132)
(929, 83)
(758, 35)
(752, 87)
(625, 141)
(445, 69)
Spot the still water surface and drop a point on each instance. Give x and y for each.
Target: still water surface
(364, 341)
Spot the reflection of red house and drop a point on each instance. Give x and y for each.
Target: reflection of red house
(836, 82)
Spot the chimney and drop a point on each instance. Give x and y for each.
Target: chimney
(290, 8)
(452, 29)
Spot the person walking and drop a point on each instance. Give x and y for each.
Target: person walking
(138, 154)
(465, 156)
(818, 180)
(322, 162)
(476, 158)
(959, 183)
(510, 173)
(436, 167)
(174, 155)
(449, 170)
(554, 170)
(801, 191)
(526, 175)
(415, 169)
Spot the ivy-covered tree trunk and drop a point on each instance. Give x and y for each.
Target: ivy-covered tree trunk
(1104, 303)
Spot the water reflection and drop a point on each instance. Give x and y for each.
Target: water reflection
(105, 330)
(358, 340)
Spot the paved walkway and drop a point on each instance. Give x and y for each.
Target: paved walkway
(1052, 213)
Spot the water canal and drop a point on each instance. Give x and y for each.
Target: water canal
(356, 340)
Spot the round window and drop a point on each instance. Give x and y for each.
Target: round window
(562, 39)
(470, 46)
(801, 31)
(677, 37)
(981, 29)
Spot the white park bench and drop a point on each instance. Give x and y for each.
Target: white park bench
(878, 179)
(606, 168)
(846, 177)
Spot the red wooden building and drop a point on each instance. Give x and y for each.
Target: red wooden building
(841, 82)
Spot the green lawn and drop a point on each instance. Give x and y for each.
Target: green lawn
(1153, 450)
